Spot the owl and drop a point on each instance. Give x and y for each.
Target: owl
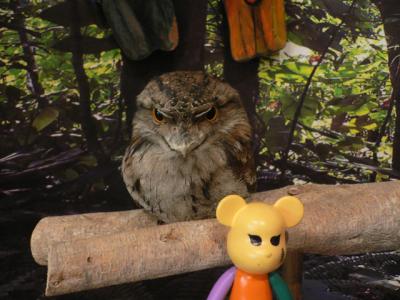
(191, 146)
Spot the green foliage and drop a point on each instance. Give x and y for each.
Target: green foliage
(45, 118)
(52, 54)
(337, 133)
(52, 119)
(346, 105)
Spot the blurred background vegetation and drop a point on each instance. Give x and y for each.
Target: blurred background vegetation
(323, 109)
(62, 113)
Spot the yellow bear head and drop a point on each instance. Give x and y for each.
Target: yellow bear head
(256, 241)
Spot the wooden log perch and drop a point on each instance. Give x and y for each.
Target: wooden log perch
(338, 220)
(50, 230)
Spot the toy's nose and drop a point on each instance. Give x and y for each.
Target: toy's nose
(268, 255)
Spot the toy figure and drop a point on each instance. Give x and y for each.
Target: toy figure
(257, 247)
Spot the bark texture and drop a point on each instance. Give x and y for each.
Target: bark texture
(87, 120)
(338, 220)
(51, 230)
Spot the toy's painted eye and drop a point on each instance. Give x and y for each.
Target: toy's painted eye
(212, 114)
(275, 240)
(255, 240)
(157, 116)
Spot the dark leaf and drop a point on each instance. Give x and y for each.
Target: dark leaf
(89, 45)
(323, 150)
(17, 65)
(335, 7)
(277, 134)
(61, 13)
(13, 93)
(45, 118)
(337, 122)
(314, 36)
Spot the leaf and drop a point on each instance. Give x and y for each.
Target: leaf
(45, 118)
(362, 110)
(313, 35)
(371, 126)
(277, 134)
(299, 68)
(88, 45)
(13, 93)
(308, 111)
(323, 150)
(88, 160)
(351, 143)
(61, 13)
(70, 174)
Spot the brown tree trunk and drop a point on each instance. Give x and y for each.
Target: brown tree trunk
(243, 76)
(390, 11)
(87, 121)
(33, 82)
(189, 55)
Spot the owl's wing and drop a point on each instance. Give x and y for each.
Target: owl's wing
(130, 175)
(242, 162)
(249, 173)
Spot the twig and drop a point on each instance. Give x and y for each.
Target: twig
(33, 83)
(383, 128)
(46, 165)
(324, 132)
(392, 102)
(389, 10)
(117, 134)
(305, 92)
(88, 124)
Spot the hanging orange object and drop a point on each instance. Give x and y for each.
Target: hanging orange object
(256, 27)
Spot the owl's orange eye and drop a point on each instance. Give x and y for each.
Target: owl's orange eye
(157, 116)
(212, 114)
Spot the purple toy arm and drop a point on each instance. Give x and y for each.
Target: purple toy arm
(222, 286)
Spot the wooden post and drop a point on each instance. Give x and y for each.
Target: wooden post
(292, 272)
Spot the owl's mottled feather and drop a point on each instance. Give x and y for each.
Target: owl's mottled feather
(179, 168)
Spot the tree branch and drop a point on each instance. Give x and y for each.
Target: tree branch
(390, 10)
(303, 96)
(88, 123)
(33, 82)
(338, 220)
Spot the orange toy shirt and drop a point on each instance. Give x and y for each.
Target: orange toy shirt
(250, 287)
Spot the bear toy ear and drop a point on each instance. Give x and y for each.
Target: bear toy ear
(291, 209)
(228, 207)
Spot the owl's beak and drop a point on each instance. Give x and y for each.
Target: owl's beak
(184, 148)
(184, 144)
